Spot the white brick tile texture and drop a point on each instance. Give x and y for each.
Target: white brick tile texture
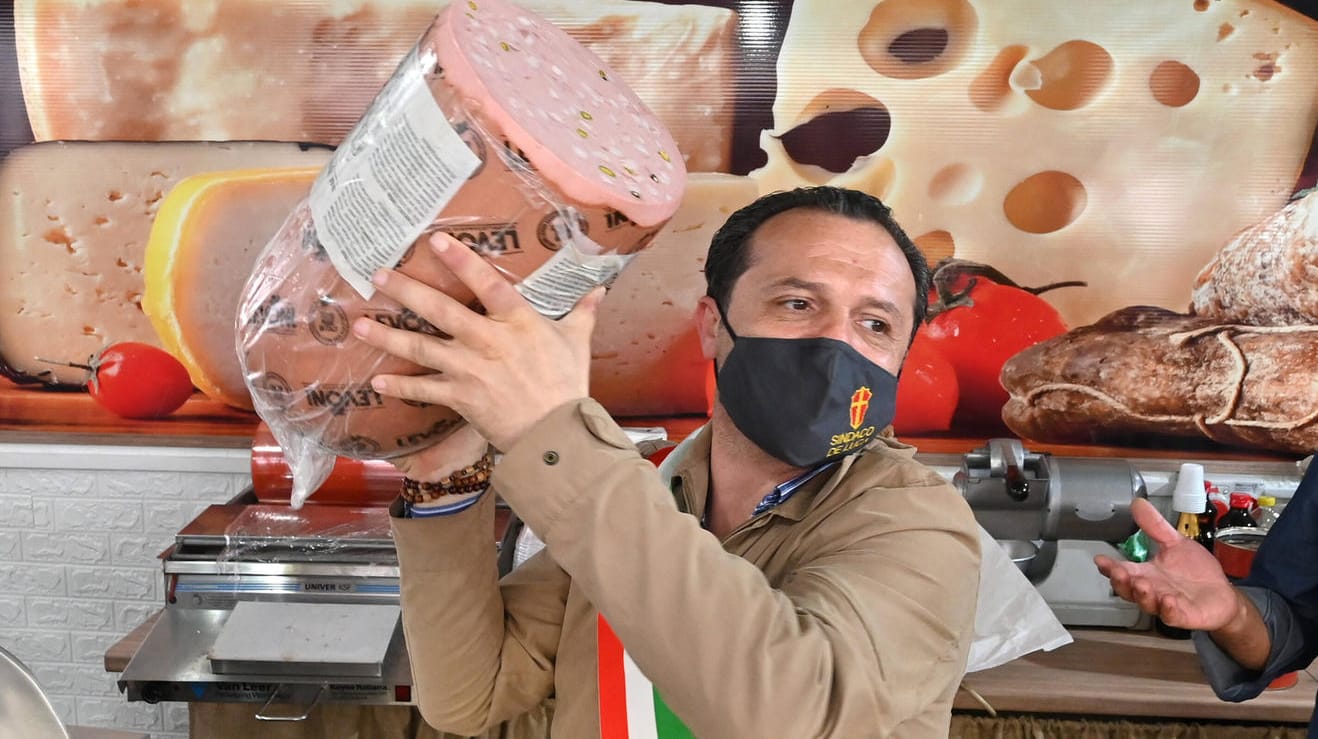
(166, 518)
(66, 706)
(98, 515)
(76, 613)
(75, 680)
(136, 549)
(79, 569)
(129, 615)
(49, 546)
(31, 645)
(16, 511)
(91, 647)
(137, 485)
(112, 582)
(43, 482)
(31, 579)
(10, 543)
(13, 612)
(176, 716)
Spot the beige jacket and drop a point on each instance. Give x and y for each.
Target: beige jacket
(847, 611)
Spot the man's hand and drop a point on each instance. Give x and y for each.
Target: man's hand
(437, 461)
(1183, 584)
(503, 371)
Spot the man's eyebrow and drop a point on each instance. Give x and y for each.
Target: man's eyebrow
(799, 284)
(885, 306)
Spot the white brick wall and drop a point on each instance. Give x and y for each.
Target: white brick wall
(80, 530)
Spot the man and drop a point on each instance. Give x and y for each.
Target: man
(1246, 636)
(796, 575)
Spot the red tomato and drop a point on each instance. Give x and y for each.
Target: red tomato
(979, 337)
(927, 391)
(135, 380)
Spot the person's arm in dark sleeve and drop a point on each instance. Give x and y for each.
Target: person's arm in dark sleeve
(1283, 589)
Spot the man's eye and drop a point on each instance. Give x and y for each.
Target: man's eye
(876, 325)
(796, 304)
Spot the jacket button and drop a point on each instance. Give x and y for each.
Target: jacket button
(550, 457)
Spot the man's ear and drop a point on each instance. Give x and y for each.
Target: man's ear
(707, 324)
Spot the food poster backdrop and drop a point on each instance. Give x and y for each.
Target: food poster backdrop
(1114, 191)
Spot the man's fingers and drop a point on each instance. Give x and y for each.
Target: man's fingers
(1152, 523)
(437, 307)
(418, 348)
(416, 388)
(490, 288)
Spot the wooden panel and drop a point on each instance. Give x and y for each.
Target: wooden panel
(1125, 673)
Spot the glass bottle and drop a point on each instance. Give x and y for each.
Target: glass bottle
(1238, 514)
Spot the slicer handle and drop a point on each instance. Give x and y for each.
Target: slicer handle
(261, 715)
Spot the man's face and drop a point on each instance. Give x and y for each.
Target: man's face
(819, 274)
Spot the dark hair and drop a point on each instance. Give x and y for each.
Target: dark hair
(729, 255)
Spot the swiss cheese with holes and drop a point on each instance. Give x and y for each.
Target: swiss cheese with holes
(1121, 143)
(291, 70)
(75, 218)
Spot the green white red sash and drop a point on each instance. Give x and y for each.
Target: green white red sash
(630, 707)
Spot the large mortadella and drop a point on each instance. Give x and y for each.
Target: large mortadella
(497, 129)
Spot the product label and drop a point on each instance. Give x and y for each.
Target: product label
(568, 275)
(390, 178)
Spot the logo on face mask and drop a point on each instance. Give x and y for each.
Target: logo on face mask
(860, 403)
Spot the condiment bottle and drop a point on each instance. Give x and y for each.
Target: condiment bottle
(1266, 513)
(1238, 514)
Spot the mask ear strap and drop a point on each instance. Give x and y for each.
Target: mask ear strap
(723, 317)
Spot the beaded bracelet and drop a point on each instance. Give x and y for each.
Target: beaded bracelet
(473, 478)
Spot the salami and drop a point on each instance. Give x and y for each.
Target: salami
(1147, 370)
(1265, 275)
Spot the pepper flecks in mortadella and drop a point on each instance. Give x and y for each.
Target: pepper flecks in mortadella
(586, 132)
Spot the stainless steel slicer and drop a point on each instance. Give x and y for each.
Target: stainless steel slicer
(1052, 515)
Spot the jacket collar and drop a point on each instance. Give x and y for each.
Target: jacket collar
(690, 479)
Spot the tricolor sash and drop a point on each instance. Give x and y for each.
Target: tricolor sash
(630, 706)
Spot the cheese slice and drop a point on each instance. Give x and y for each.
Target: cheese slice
(208, 233)
(74, 222)
(290, 70)
(1118, 143)
(645, 354)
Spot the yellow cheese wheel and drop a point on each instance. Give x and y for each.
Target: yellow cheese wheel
(208, 232)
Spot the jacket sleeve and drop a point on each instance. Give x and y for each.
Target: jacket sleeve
(865, 639)
(1283, 583)
(482, 649)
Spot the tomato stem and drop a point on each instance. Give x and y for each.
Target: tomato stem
(949, 271)
(87, 367)
(91, 367)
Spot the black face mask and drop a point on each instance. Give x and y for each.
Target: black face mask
(804, 401)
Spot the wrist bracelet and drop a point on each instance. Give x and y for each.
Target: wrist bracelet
(473, 478)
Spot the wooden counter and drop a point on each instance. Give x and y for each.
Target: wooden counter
(1113, 673)
(1110, 672)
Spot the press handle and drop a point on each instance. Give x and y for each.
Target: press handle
(262, 714)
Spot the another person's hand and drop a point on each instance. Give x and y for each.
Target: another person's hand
(503, 371)
(1183, 584)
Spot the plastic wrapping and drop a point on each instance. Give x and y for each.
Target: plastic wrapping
(356, 482)
(557, 197)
